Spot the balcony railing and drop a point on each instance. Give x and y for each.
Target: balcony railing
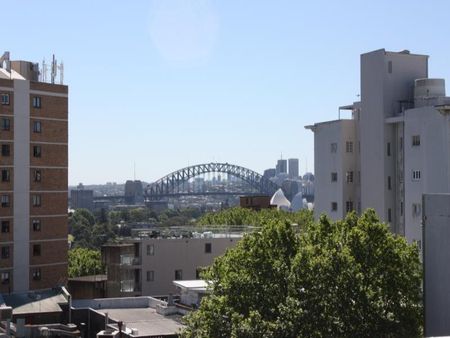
(129, 286)
(129, 260)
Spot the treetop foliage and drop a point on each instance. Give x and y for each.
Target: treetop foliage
(351, 278)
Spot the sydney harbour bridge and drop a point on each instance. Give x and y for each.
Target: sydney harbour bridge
(169, 185)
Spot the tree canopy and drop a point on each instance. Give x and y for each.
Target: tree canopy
(351, 278)
(84, 262)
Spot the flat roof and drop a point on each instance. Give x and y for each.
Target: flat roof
(35, 302)
(92, 278)
(145, 320)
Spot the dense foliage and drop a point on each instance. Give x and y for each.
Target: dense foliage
(242, 216)
(84, 262)
(351, 278)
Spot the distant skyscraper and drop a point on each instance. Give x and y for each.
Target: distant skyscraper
(133, 192)
(81, 198)
(281, 167)
(268, 173)
(293, 167)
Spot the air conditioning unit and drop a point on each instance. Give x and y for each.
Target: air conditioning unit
(108, 334)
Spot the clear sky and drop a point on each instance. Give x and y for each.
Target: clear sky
(171, 83)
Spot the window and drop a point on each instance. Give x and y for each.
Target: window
(37, 175)
(349, 206)
(349, 176)
(198, 272)
(5, 150)
(36, 200)
(334, 206)
(37, 102)
(416, 140)
(5, 277)
(416, 175)
(5, 175)
(36, 224)
(150, 250)
(349, 147)
(5, 227)
(36, 273)
(36, 249)
(178, 274)
(389, 183)
(388, 149)
(401, 208)
(208, 247)
(5, 201)
(4, 99)
(37, 151)
(5, 252)
(333, 147)
(389, 215)
(333, 177)
(37, 128)
(150, 276)
(390, 67)
(416, 209)
(6, 124)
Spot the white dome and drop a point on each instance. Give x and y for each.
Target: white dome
(280, 200)
(297, 202)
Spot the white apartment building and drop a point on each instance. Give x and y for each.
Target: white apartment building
(395, 147)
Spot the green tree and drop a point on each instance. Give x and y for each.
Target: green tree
(85, 262)
(351, 278)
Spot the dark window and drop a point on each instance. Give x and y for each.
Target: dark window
(37, 151)
(5, 201)
(208, 247)
(36, 250)
(198, 272)
(334, 206)
(5, 277)
(416, 140)
(36, 273)
(389, 183)
(5, 150)
(37, 128)
(6, 124)
(37, 102)
(401, 208)
(150, 276)
(178, 274)
(5, 252)
(390, 67)
(349, 176)
(36, 200)
(36, 225)
(388, 149)
(4, 98)
(389, 215)
(334, 177)
(416, 175)
(5, 227)
(349, 206)
(37, 175)
(349, 147)
(333, 147)
(5, 175)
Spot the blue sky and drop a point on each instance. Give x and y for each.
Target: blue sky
(168, 83)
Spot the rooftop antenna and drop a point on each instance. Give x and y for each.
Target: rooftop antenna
(44, 71)
(5, 58)
(61, 73)
(54, 69)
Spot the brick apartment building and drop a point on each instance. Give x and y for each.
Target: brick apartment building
(33, 179)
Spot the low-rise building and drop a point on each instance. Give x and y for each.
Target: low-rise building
(147, 265)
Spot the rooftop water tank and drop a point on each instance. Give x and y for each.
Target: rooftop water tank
(429, 88)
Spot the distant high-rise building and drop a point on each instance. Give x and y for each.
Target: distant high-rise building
(33, 185)
(281, 167)
(134, 192)
(268, 173)
(293, 167)
(81, 198)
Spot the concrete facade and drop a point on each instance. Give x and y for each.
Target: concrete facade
(148, 266)
(33, 184)
(390, 172)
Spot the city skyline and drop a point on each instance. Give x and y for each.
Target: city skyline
(164, 85)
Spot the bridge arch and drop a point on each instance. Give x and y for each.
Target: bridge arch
(167, 185)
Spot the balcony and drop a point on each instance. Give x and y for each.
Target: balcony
(129, 286)
(129, 260)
